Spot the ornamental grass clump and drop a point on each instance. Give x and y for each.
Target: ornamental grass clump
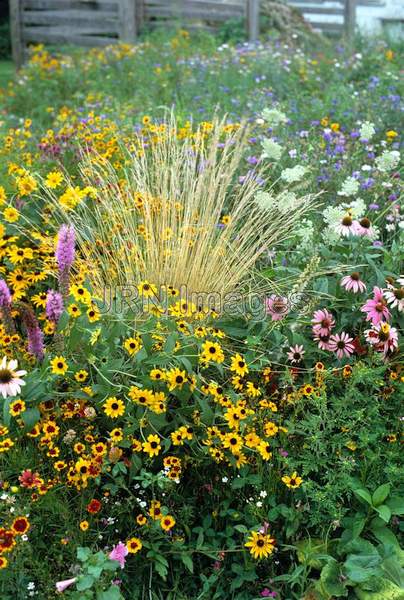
(179, 213)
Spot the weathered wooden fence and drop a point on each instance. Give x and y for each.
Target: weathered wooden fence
(332, 17)
(102, 22)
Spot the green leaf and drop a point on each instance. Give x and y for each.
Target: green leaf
(161, 569)
(331, 580)
(112, 593)
(364, 495)
(187, 560)
(380, 494)
(358, 523)
(384, 512)
(396, 505)
(360, 567)
(383, 534)
(83, 554)
(31, 416)
(381, 589)
(94, 570)
(84, 582)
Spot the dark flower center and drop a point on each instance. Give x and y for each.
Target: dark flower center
(5, 376)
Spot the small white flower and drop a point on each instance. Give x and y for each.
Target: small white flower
(274, 117)
(225, 479)
(263, 493)
(350, 187)
(258, 504)
(367, 131)
(293, 174)
(272, 149)
(388, 160)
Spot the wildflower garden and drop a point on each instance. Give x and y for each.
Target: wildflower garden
(202, 300)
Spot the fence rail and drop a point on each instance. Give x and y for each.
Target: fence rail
(103, 22)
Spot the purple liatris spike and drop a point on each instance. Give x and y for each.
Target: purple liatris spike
(35, 342)
(54, 305)
(5, 307)
(65, 247)
(65, 255)
(34, 333)
(5, 296)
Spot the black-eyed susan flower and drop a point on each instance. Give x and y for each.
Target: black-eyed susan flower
(146, 289)
(81, 376)
(157, 375)
(152, 445)
(116, 435)
(293, 481)
(211, 352)
(233, 442)
(59, 365)
(114, 407)
(261, 545)
(132, 345)
(74, 311)
(238, 365)
(175, 378)
(270, 429)
(93, 314)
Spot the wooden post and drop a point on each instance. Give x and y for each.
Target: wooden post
(350, 18)
(253, 12)
(127, 15)
(16, 33)
(139, 15)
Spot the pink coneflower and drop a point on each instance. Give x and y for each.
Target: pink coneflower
(296, 354)
(118, 553)
(323, 322)
(383, 337)
(376, 308)
(10, 379)
(395, 295)
(364, 228)
(353, 283)
(347, 226)
(341, 344)
(323, 341)
(277, 307)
